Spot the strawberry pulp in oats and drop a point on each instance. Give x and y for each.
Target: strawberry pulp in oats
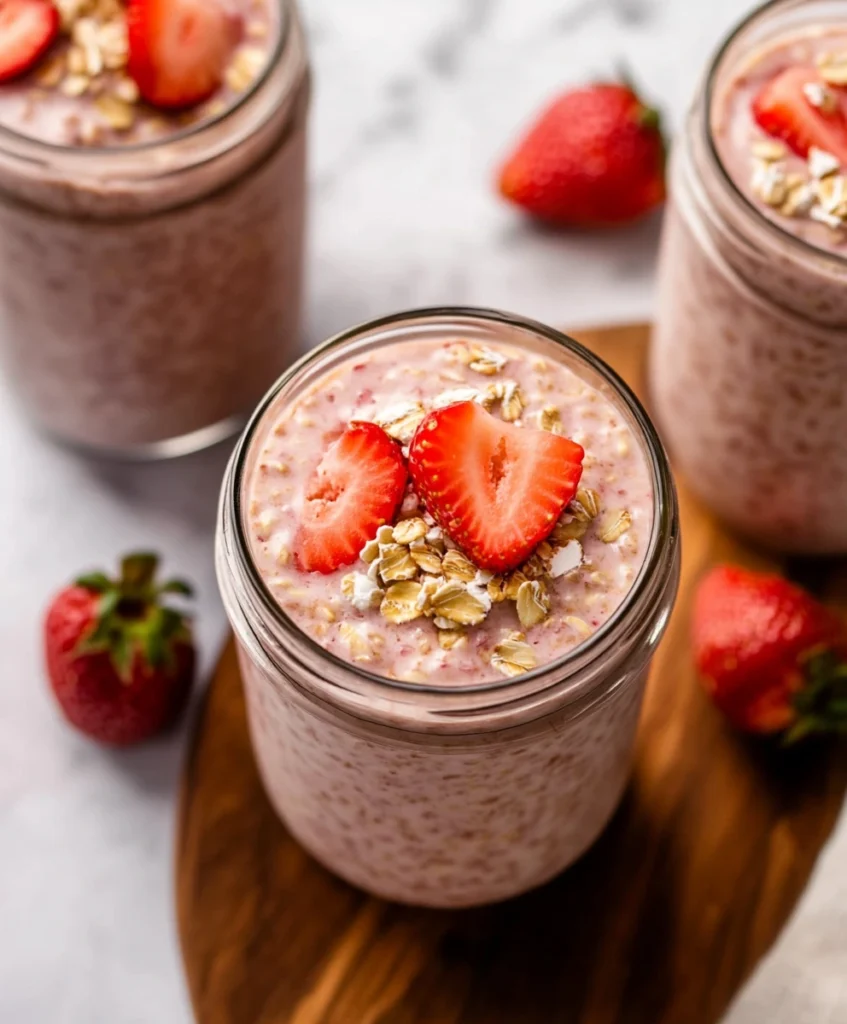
(413, 607)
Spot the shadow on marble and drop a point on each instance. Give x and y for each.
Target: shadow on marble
(630, 242)
(184, 488)
(154, 766)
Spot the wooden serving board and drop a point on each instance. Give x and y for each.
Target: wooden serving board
(659, 924)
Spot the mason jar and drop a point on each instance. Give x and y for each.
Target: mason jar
(748, 364)
(434, 794)
(150, 292)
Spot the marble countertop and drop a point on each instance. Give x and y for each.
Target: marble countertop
(414, 104)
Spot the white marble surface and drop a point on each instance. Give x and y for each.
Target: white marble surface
(414, 104)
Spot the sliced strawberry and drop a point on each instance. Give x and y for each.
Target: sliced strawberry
(179, 49)
(354, 490)
(496, 490)
(27, 28)
(782, 109)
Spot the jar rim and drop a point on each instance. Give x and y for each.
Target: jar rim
(656, 565)
(774, 229)
(41, 150)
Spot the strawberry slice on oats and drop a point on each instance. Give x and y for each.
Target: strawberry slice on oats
(496, 490)
(27, 30)
(355, 488)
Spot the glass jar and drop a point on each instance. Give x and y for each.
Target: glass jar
(150, 293)
(433, 794)
(749, 356)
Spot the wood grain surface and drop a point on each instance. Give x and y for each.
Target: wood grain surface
(659, 924)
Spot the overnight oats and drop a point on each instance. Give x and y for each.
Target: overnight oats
(152, 179)
(749, 358)
(448, 548)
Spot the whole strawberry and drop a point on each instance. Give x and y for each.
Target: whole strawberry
(771, 657)
(595, 158)
(120, 659)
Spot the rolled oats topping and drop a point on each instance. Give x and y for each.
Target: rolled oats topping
(833, 68)
(400, 603)
(769, 183)
(512, 401)
(513, 655)
(585, 506)
(400, 421)
(533, 603)
(453, 395)
(460, 603)
(768, 150)
(550, 419)
(396, 563)
(407, 531)
(448, 639)
(456, 567)
(820, 97)
(614, 525)
(486, 362)
(822, 164)
(426, 557)
(358, 641)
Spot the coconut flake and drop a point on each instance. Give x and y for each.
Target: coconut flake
(566, 559)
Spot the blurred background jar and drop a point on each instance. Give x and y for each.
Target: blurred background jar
(150, 289)
(749, 358)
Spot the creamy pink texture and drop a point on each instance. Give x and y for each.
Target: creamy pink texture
(434, 821)
(292, 439)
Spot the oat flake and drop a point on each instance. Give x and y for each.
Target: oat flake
(513, 656)
(400, 603)
(614, 525)
(409, 530)
(533, 603)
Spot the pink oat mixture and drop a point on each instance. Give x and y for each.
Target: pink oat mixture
(588, 567)
(748, 359)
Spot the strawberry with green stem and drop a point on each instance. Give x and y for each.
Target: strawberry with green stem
(771, 657)
(594, 158)
(120, 657)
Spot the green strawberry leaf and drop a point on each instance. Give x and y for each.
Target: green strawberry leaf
(129, 618)
(122, 652)
(108, 604)
(96, 581)
(177, 587)
(138, 571)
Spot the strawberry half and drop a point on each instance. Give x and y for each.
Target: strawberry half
(27, 28)
(496, 490)
(782, 110)
(354, 490)
(179, 49)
